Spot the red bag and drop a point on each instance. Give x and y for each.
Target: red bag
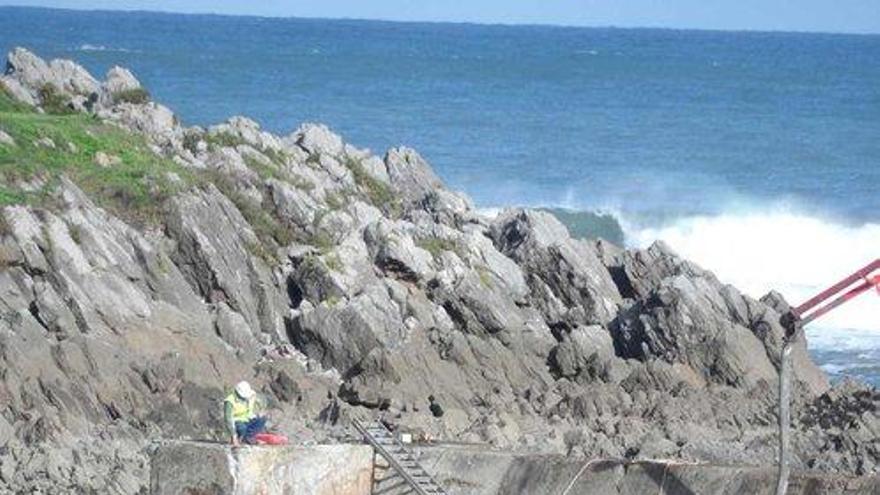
(270, 439)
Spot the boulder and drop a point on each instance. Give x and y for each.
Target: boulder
(156, 122)
(341, 333)
(32, 74)
(214, 246)
(410, 175)
(569, 284)
(244, 130)
(6, 139)
(684, 320)
(317, 139)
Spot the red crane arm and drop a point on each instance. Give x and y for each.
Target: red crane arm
(841, 292)
(793, 321)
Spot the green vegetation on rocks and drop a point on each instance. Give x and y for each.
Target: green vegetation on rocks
(271, 231)
(221, 139)
(263, 168)
(137, 96)
(9, 104)
(49, 146)
(379, 193)
(437, 245)
(53, 101)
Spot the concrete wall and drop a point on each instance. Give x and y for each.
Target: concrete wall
(480, 472)
(190, 468)
(194, 468)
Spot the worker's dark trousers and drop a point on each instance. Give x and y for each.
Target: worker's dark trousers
(247, 429)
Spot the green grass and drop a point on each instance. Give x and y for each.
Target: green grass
(11, 196)
(221, 139)
(485, 277)
(378, 192)
(278, 157)
(322, 240)
(436, 245)
(301, 182)
(334, 200)
(333, 262)
(9, 104)
(137, 96)
(275, 170)
(135, 189)
(263, 169)
(269, 229)
(53, 101)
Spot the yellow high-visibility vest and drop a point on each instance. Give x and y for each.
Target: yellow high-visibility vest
(242, 410)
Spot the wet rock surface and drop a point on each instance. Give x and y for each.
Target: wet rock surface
(347, 285)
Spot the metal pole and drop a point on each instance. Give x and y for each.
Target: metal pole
(784, 415)
(794, 322)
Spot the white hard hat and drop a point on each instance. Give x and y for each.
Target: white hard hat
(244, 390)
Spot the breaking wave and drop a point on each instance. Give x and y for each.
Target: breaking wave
(774, 248)
(793, 253)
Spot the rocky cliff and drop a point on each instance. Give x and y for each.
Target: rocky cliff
(145, 267)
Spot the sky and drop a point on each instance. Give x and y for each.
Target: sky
(839, 16)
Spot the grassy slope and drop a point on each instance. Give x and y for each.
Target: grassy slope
(135, 187)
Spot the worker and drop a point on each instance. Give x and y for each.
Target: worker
(240, 414)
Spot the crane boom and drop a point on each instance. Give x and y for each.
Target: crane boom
(794, 321)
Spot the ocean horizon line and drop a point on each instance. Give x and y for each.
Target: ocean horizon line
(449, 22)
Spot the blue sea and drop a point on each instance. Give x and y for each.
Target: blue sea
(756, 154)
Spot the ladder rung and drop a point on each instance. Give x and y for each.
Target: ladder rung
(400, 459)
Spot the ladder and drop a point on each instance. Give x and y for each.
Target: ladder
(400, 458)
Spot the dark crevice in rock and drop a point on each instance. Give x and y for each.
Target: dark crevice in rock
(622, 281)
(294, 293)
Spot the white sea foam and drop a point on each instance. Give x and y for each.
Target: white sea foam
(86, 47)
(794, 253)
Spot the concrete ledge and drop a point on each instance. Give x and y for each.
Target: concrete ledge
(471, 471)
(195, 468)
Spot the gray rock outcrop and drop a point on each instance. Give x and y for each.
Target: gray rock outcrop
(347, 285)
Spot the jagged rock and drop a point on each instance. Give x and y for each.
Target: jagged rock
(410, 175)
(373, 165)
(585, 350)
(234, 330)
(639, 271)
(6, 139)
(32, 74)
(342, 272)
(157, 122)
(684, 320)
(106, 160)
(567, 279)
(394, 251)
(214, 246)
(245, 130)
(120, 79)
(318, 139)
(681, 306)
(340, 333)
(18, 90)
(45, 142)
(337, 305)
(294, 206)
(448, 208)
